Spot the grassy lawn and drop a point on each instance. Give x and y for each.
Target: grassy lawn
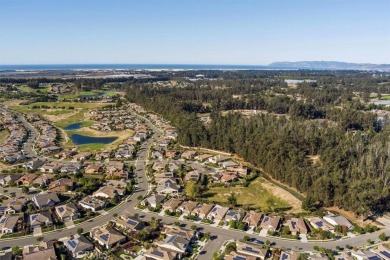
(254, 195)
(92, 93)
(385, 97)
(4, 134)
(25, 88)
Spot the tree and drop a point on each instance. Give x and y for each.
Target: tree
(80, 230)
(194, 227)
(192, 189)
(16, 250)
(247, 238)
(232, 199)
(383, 237)
(25, 190)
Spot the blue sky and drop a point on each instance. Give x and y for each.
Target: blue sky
(252, 32)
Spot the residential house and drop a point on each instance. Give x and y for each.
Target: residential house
(40, 219)
(27, 180)
(92, 203)
(106, 192)
(337, 220)
(234, 215)
(217, 213)
(159, 166)
(119, 185)
(202, 210)
(42, 201)
(289, 255)
(153, 200)
(365, 255)
(297, 226)
(129, 224)
(218, 159)
(188, 155)
(193, 175)
(107, 236)
(67, 212)
(8, 224)
(45, 250)
(253, 219)
(7, 179)
(78, 246)
(188, 206)
(270, 223)
(167, 186)
(158, 253)
(203, 157)
(320, 223)
(61, 185)
(175, 243)
(34, 164)
(251, 249)
(13, 205)
(172, 205)
(43, 179)
(94, 168)
(50, 167)
(383, 251)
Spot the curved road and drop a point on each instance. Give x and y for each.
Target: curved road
(129, 205)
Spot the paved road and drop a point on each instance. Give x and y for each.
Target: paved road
(223, 234)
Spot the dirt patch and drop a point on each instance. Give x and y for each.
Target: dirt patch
(295, 203)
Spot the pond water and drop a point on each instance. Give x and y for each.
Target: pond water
(83, 139)
(382, 102)
(73, 126)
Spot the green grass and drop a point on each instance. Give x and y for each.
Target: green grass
(71, 119)
(254, 195)
(4, 134)
(385, 97)
(28, 89)
(91, 147)
(92, 93)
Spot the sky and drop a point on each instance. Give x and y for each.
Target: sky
(231, 32)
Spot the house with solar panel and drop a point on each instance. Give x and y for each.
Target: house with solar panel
(91, 203)
(289, 255)
(175, 243)
(247, 249)
(8, 224)
(271, 223)
(383, 251)
(40, 219)
(168, 186)
(158, 253)
(217, 213)
(78, 246)
(365, 255)
(45, 250)
(319, 223)
(337, 220)
(67, 212)
(42, 201)
(129, 224)
(234, 215)
(297, 226)
(107, 236)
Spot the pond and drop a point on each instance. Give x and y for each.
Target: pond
(83, 139)
(382, 102)
(73, 126)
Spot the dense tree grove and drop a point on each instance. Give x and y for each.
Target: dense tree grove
(328, 122)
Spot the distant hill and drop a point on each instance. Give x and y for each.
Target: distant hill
(330, 65)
